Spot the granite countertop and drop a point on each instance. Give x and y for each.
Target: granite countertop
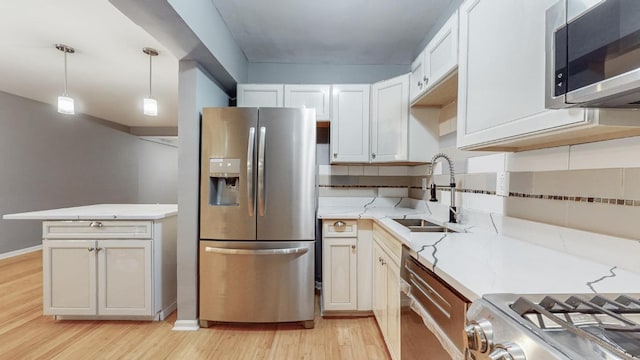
(478, 261)
(101, 212)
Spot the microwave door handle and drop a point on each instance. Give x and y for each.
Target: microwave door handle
(251, 201)
(261, 194)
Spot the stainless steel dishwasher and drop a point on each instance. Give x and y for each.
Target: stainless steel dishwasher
(432, 316)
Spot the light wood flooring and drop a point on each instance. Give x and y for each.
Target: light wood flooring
(26, 334)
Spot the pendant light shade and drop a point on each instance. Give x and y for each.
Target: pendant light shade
(65, 103)
(150, 105)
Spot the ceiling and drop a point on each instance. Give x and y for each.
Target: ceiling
(108, 75)
(363, 32)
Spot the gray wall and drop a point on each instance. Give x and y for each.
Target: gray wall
(322, 73)
(157, 173)
(196, 90)
(48, 160)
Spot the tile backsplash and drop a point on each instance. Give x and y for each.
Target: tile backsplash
(593, 187)
(363, 181)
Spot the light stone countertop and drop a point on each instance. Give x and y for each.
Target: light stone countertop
(101, 212)
(479, 260)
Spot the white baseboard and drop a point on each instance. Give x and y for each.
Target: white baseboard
(168, 310)
(186, 325)
(20, 252)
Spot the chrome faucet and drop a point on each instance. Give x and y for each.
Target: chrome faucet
(453, 213)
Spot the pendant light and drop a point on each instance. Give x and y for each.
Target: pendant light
(150, 105)
(65, 103)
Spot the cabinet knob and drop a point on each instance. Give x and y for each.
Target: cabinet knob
(339, 224)
(353, 247)
(426, 81)
(96, 224)
(90, 249)
(335, 155)
(98, 249)
(373, 155)
(383, 262)
(420, 84)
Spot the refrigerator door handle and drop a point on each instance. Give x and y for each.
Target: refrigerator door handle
(250, 152)
(299, 250)
(261, 193)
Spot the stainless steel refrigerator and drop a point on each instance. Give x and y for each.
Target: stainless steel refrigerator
(257, 215)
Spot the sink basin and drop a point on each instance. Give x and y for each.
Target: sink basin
(419, 225)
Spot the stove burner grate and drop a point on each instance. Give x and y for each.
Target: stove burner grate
(599, 319)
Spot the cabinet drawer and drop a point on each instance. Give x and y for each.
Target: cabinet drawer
(97, 229)
(340, 228)
(389, 243)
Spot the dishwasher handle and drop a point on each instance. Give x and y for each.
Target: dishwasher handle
(224, 251)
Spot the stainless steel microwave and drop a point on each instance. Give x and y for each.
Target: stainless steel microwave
(593, 54)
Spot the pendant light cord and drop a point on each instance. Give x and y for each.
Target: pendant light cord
(150, 57)
(65, 74)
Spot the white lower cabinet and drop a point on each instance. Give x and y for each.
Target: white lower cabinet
(70, 282)
(346, 266)
(108, 276)
(386, 288)
(124, 277)
(97, 277)
(339, 276)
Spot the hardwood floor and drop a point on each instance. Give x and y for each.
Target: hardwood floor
(26, 334)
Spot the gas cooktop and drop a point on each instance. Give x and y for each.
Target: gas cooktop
(560, 326)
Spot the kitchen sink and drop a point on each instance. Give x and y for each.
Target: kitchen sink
(419, 225)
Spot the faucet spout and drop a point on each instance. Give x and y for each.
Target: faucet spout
(453, 213)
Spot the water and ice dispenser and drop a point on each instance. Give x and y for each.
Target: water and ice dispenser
(224, 181)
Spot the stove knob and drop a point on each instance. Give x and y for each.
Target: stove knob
(507, 351)
(480, 336)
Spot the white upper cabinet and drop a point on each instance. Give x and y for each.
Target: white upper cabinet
(350, 123)
(418, 76)
(438, 59)
(501, 79)
(309, 96)
(441, 54)
(260, 95)
(400, 134)
(390, 119)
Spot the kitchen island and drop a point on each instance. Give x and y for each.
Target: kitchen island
(108, 261)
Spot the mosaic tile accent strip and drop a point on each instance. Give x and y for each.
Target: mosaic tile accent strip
(470, 191)
(587, 199)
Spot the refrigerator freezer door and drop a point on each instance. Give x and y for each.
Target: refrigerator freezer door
(227, 174)
(253, 281)
(286, 180)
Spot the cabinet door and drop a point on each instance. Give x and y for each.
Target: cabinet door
(340, 286)
(260, 95)
(441, 54)
(124, 277)
(350, 123)
(393, 308)
(69, 277)
(379, 300)
(390, 119)
(418, 76)
(311, 97)
(501, 73)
